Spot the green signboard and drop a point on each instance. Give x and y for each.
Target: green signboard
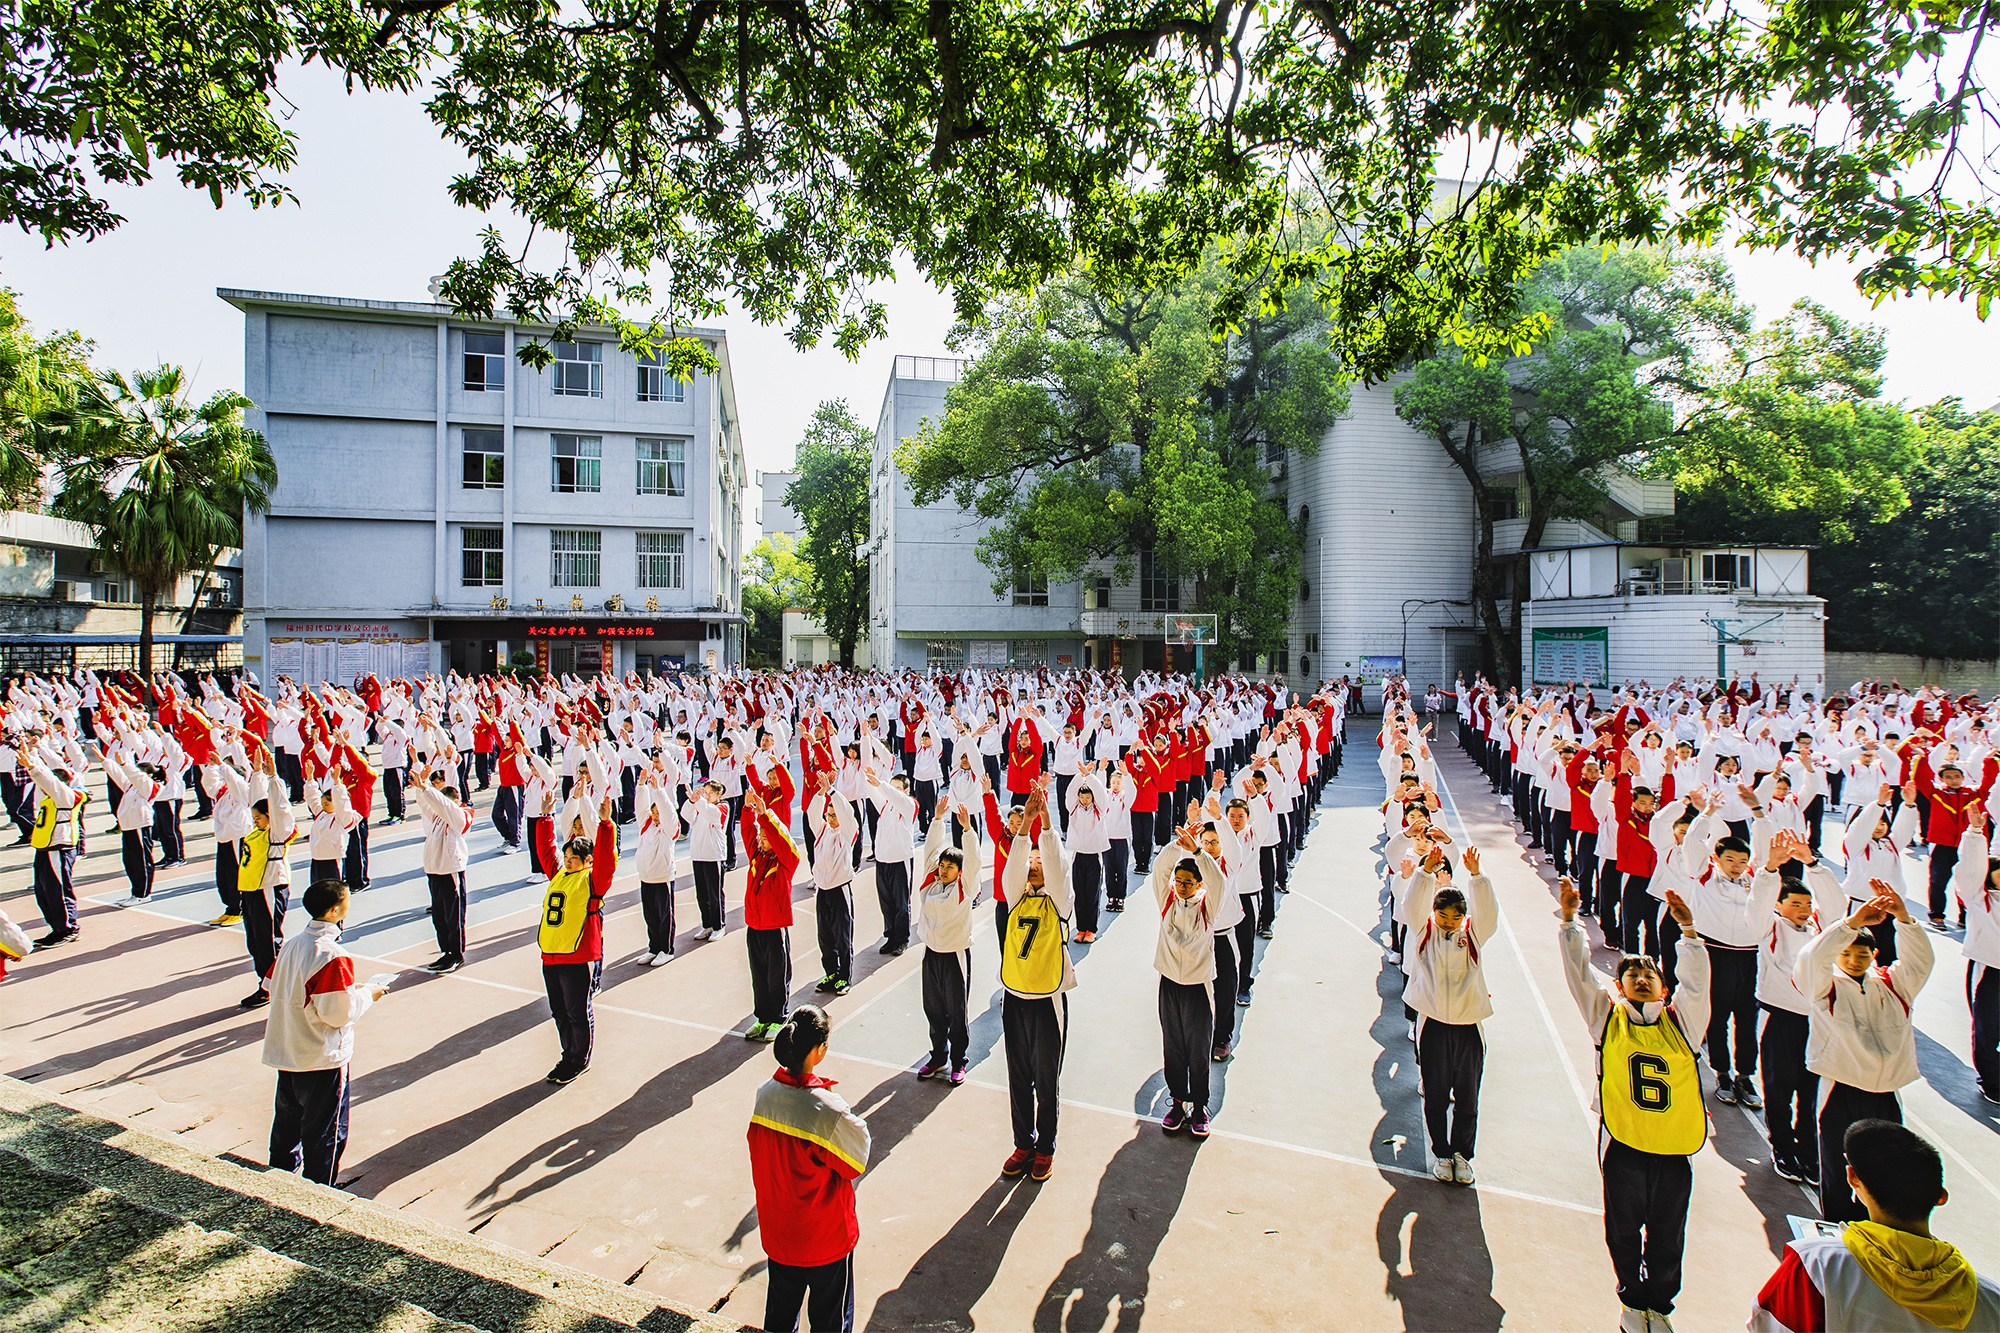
(1582, 655)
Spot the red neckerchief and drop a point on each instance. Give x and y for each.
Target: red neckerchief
(1471, 941)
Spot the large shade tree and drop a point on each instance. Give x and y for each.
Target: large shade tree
(162, 482)
(775, 154)
(40, 378)
(830, 496)
(1091, 431)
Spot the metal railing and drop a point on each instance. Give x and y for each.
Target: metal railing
(1633, 587)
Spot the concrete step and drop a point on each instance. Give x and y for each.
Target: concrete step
(106, 1226)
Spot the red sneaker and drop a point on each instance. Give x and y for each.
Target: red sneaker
(1017, 1162)
(1045, 1162)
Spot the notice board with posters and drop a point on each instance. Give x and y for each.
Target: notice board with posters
(1376, 669)
(1581, 654)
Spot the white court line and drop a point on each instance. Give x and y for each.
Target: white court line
(1534, 988)
(990, 1087)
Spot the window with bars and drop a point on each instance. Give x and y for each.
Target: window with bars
(662, 467)
(1031, 589)
(485, 362)
(578, 369)
(656, 383)
(662, 559)
(485, 559)
(485, 461)
(1159, 589)
(573, 557)
(574, 463)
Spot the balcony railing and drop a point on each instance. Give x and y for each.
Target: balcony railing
(1680, 588)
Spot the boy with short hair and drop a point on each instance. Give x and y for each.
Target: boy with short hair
(706, 812)
(941, 915)
(767, 912)
(1888, 1271)
(309, 1037)
(1651, 1115)
(1862, 1042)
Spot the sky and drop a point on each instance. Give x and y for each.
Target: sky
(374, 220)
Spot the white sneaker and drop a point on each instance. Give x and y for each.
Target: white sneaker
(1442, 1170)
(1634, 1321)
(1660, 1324)
(1461, 1170)
(1395, 958)
(132, 900)
(704, 934)
(1413, 1033)
(659, 959)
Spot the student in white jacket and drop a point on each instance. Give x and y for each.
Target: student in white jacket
(1446, 985)
(704, 812)
(654, 800)
(1873, 846)
(1976, 881)
(1808, 895)
(1863, 1043)
(1087, 838)
(446, 822)
(836, 830)
(309, 1038)
(1188, 888)
(941, 916)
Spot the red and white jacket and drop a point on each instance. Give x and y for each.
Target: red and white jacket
(314, 1002)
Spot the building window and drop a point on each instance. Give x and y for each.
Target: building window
(574, 462)
(579, 369)
(1031, 589)
(662, 467)
(944, 654)
(1727, 571)
(485, 462)
(1503, 505)
(1274, 450)
(661, 559)
(1028, 653)
(1103, 592)
(485, 559)
(1158, 589)
(485, 362)
(573, 558)
(656, 383)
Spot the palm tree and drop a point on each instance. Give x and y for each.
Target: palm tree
(162, 484)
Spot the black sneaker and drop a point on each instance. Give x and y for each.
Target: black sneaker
(1787, 1168)
(1115, 905)
(1988, 1097)
(1746, 1093)
(450, 962)
(1725, 1091)
(256, 999)
(1809, 1171)
(564, 1072)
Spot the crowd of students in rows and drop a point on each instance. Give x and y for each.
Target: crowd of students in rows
(1688, 820)
(1690, 815)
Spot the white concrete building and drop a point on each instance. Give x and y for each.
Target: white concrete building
(441, 505)
(1609, 612)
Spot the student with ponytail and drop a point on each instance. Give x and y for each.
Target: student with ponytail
(806, 1150)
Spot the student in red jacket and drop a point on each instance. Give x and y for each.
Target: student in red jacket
(571, 936)
(1950, 797)
(767, 912)
(806, 1149)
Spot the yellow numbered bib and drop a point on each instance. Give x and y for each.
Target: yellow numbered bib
(1032, 961)
(565, 908)
(53, 825)
(1649, 1086)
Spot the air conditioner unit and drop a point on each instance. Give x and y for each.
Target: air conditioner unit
(1673, 573)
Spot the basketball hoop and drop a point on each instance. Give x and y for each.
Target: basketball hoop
(1194, 630)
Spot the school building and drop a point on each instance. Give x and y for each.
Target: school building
(441, 506)
(1385, 573)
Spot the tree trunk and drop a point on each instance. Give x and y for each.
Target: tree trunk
(847, 653)
(149, 600)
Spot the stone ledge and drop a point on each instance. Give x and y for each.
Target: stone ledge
(269, 1237)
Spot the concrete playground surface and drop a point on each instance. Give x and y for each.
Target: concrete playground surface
(1310, 1207)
